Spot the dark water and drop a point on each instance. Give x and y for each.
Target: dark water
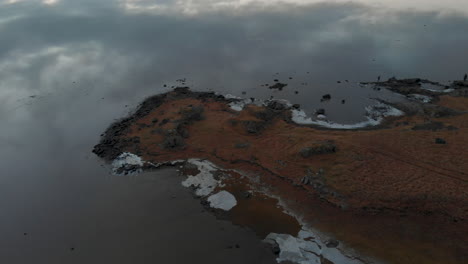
(68, 68)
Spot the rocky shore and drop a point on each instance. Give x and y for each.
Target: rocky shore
(405, 167)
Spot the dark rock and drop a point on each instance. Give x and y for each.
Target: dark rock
(440, 141)
(332, 243)
(275, 105)
(343, 101)
(461, 83)
(278, 86)
(266, 115)
(320, 111)
(182, 131)
(194, 113)
(173, 141)
(411, 81)
(306, 180)
(296, 92)
(296, 106)
(163, 122)
(246, 194)
(254, 127)
(326, 97)
(154, 121)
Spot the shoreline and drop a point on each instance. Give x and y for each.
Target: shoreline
(183, 124)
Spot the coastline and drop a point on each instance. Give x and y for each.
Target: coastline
(263, 141)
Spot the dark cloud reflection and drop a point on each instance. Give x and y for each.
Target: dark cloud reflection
(67, 70)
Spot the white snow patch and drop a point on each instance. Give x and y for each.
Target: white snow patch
(127, 163)
(307, 248)
(237, 106)
(240, 104)
(222, 200)
(204, 180)
(230, 96)
(420, 98)
(374, 115)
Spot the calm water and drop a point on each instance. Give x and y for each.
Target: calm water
(69, 68)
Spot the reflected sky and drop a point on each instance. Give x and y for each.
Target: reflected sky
(130, 48)
(69, 68)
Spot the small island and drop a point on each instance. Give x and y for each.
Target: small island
(268, 166)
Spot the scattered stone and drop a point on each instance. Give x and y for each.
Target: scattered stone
(278, 86)
(326, 97)
(440, 141)
(246, 194)
(276, 105)
(332, 243)
(296, 106)
(320, 111)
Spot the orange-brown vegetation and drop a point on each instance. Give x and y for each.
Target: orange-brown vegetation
(391, 191)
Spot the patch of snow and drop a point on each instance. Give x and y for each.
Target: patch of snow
(307, 248)
(222, 200)
(230, 96)
(374, 116)
(204, 182)
(321, 117)
(127, 163)
(420, 98)
(436, 88)
(237, 106)
(240, 104)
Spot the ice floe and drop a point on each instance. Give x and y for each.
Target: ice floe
(222, 200)
(127, 163)
(374, 115)
(308, 248)
(204, 182)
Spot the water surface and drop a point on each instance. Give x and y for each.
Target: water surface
(69, 68)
